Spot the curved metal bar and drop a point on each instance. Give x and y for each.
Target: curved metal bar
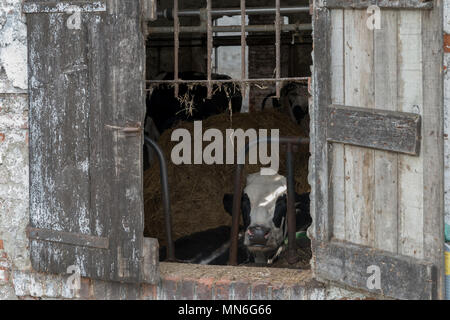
(238, 177)
(165, 196)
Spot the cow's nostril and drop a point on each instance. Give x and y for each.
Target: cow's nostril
(258, 235)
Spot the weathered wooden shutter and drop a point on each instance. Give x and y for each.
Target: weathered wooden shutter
(86, 89)
(377, 138)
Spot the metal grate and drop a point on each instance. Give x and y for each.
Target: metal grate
(206, 16)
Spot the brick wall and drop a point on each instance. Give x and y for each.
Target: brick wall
(187, 282)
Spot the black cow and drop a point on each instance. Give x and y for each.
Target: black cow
(264, 209)
(166, 110)
(207, 247)
(294, 99)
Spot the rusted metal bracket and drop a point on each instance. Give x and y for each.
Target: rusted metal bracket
(64, 7)
(69, 238)
(131, 130)
(291, 219)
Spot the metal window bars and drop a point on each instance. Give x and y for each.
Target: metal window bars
(206, 17)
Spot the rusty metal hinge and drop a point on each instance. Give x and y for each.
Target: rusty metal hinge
(130, 130)
(69, 238)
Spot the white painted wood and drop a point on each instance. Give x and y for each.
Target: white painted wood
(337, 96)
(385, 55)
(359, 162)
(410, 99)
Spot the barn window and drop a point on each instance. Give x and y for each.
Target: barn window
(252, 63)
(98, 70)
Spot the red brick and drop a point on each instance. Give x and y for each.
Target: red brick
(222, 289)
(280, 292)
(148, 292)
(447, 43)
(260, 291)
(297, 292)
(241, 290)
(204, 289)
(169, 288)
(187, 288)
(86, 290)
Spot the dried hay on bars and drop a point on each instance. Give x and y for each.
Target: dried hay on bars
(196, 191)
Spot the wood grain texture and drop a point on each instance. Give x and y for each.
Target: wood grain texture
(410, 99)
(386, 180)
(401, 277)
(84, 177)
(393, 202)
(388, 4)
(337, 173)
(359, 162)
(322, 199)
(378, 129)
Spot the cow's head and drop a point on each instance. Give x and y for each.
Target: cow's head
(264, 210)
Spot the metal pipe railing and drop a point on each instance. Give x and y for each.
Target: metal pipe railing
(176, 50)
(278, 47)
(248, 28)
(291, 219)
(165, 197)
(168, 14)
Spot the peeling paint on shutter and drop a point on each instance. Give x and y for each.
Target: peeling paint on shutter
(85, 178)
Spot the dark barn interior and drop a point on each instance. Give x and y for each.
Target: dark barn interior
(241, 96)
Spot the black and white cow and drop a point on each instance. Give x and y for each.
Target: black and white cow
(264, 213)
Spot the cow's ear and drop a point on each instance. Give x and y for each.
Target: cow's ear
(228, 203)
(280, 211)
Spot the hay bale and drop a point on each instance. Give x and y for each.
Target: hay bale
(196, 191)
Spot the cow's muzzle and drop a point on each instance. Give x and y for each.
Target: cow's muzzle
(258, 235)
